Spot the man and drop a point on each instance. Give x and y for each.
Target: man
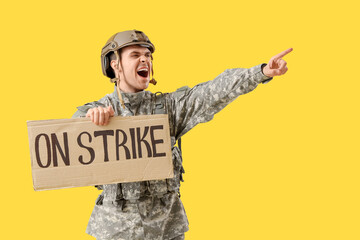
(153, 209)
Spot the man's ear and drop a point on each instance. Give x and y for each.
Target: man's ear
(114, 65)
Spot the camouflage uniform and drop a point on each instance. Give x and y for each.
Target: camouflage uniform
(153, 209)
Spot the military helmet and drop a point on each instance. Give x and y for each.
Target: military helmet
(118, 41)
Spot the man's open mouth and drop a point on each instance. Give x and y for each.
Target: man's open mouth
(143, 72)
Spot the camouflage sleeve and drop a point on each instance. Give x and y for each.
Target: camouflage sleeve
(200, 103)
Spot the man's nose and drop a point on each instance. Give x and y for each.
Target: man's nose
(142, 58)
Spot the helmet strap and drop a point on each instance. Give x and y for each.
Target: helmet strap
(153, 81)
(118, 81)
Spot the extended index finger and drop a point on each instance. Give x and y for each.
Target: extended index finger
(282, 54)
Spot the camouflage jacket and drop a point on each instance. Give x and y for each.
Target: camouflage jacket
(153, 209)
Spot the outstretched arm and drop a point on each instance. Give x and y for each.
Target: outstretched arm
(200, 103)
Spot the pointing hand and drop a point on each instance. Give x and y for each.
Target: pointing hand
(276, 65)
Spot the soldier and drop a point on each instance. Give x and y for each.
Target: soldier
(153, 209)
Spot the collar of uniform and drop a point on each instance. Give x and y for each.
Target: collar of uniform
(130, 98)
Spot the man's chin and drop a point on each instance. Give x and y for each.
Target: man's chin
(143, 85)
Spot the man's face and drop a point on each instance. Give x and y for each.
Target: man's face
(135, 68)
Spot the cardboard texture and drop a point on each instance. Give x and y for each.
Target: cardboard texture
(76, 152)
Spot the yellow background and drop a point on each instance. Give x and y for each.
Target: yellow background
(281, 162)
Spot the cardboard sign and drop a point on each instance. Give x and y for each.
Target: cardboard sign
(76, 152)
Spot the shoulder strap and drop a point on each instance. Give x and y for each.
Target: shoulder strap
(160, 103)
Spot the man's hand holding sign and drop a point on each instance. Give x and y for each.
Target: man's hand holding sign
(100, 115)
